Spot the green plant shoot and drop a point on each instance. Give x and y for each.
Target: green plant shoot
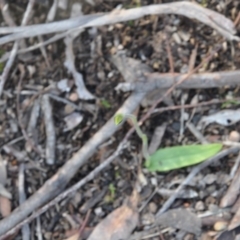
(170, 158)
(118, 119)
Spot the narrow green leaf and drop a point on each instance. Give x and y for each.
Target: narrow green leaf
(170, 158)
(118, 118)
(105, 103)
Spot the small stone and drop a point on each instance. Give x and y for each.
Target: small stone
(210, 178)
(101, 75)
(76, 199)
(154, 181)
(210, 189)
(113, 50)
(148, 219)
(213, 208)
(200, 206)
(152, 207)
(68, 109)
(220, 226)
(210, 200)
(121, 183)
(63, 86)
(110, 74)
(73, 97)
(156, 65)
(234, 136)
(99, 212)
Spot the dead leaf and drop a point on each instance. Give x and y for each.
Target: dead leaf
(63, 85)
(119, 224)
(181, 219)
(73, 120)
(5, 206)
(232, 193)
(225, 118)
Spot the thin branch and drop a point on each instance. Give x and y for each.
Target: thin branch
(191, 10)
(49, 130)
(13, 53)
(195, 81)
(19, 113)
(22, 198)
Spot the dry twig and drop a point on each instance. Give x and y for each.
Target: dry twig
(194, 81)
(191, 10)
(13, 53)
(69, 63)
(50, 129)
(19, 112)
(22, 198)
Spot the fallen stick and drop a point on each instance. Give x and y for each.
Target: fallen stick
(14, 50)
(195, 81)
(191, 10)
(49, 129)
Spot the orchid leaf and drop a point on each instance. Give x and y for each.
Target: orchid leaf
(170, 158)
(118, 118)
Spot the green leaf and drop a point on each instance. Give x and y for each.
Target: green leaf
(229, 103)
(170, 158)
(118, 118)
(105, 103)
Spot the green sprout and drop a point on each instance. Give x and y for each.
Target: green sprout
(112, 193)
(119, 118)
(105, 103)
(170, 158)
(112, 190)
(229, 103)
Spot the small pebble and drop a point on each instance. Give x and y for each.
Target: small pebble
(213, 208)
(210, 189)
(210, 200)
(220, 226)
(199, 206)
(210, 178)
(99, 212)
(121, 183)
(62, 85)
(234, 136)
(148, 219)
(110, 74)
(73, 97)
(152, 207)
(154, 181)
